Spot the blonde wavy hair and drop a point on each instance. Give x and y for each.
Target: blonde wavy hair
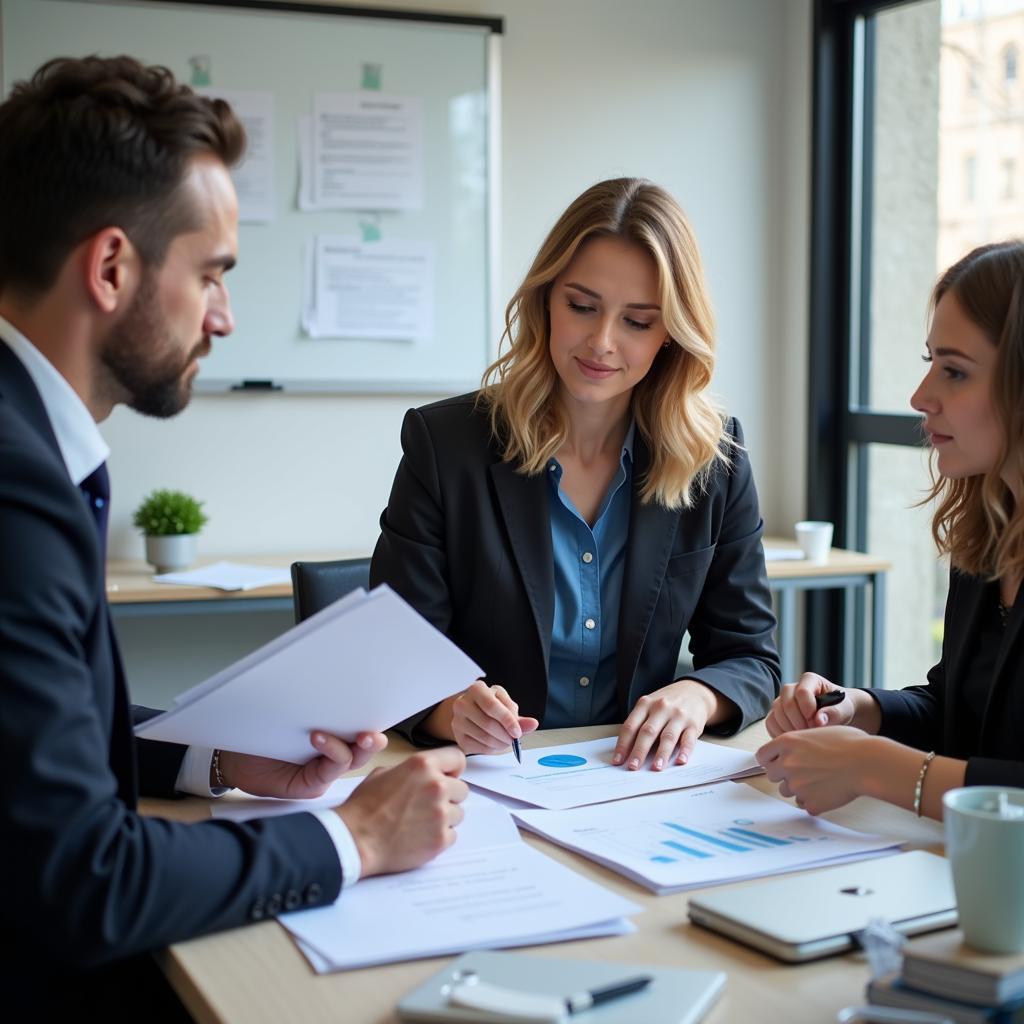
(976, 522)
(682, 426)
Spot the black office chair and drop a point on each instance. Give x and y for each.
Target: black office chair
(315, 585)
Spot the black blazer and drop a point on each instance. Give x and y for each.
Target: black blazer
(466, 540)
(929, 717)
(89, 880)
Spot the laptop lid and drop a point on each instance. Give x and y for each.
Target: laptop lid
(817, 913)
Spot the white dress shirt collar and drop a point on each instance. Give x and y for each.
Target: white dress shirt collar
(81, 443)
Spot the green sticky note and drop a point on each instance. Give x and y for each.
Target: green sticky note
(201, 71)
(371, 76)
(371, 232)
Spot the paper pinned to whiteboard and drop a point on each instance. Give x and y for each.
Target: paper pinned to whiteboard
(379, 290)
(367, 152)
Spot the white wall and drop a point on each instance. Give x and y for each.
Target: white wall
(709, 98)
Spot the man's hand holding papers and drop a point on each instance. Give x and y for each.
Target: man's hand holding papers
(267, 776)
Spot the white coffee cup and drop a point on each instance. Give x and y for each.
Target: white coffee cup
(985, 847)
(815, 540)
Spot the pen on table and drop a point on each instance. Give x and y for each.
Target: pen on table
(517, 751)
(830, 699)
(594, 997)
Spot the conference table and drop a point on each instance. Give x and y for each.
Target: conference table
(256, 974)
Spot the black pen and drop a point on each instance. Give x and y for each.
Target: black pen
(830, 699)
(594, 997)
(516, 750)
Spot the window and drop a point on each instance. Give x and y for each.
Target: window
(907, 179)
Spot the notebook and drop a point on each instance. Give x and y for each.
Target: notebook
(818, 913)
(675, 996)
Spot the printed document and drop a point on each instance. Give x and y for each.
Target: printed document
(489, 889)
(582, 773)
(703, 836)
(363, 663)
(228, 576)
(367, 151)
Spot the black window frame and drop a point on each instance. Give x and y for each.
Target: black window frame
(840, 424)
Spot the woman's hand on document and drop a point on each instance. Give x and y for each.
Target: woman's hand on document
(665, 724)
(402, 817)
(482, 719)
(265, 776)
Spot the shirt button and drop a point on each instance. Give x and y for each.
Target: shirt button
(590, 624)
(584, 681)
(587, 557)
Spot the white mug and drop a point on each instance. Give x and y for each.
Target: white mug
(985, 846)
(815, 540)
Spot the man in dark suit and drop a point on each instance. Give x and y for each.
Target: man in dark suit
(117, 226)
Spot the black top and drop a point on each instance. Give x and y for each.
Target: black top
(466, 540)
(972, 706)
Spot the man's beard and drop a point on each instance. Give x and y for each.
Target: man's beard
(142, 358)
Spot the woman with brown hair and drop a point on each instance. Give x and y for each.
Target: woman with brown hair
(964, 726)
(566, 524)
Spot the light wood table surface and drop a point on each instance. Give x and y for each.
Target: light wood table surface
(255, 974)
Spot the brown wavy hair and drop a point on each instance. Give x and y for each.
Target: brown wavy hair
(977, 522)
(95, 142)
(682, 426)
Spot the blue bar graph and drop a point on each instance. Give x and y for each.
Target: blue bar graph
(700, 854)
(713, 840)
(727, 832)
(663, 860)
(745, 833)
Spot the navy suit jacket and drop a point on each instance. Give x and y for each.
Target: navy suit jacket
(928, 716)
(466, 540)
(88, 880)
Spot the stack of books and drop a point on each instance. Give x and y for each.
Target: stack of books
(942, 975)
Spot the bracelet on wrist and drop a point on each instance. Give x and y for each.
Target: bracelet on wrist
(218, 774)
(919, 785)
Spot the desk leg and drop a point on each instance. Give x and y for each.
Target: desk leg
(878, 630)
(786, 633)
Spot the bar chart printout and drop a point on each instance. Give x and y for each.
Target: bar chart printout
(702, 836)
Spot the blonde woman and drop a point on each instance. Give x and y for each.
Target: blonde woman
(964, 726)
(569, 522)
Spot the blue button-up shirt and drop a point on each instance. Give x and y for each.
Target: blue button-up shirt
(589, 567)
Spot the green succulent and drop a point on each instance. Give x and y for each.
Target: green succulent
(167, 513)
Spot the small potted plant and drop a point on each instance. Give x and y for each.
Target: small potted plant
(170, 521)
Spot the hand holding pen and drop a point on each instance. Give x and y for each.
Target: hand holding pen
(485, 720)
(811, 703)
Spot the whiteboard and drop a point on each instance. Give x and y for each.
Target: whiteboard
(449, 63)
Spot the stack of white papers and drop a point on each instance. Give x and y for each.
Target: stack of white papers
(228, 576)
(582, 773)
(783, 555)
(489, 890)
(363, 663)
(703, 836)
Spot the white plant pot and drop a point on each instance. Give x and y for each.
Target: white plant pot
(167, 554)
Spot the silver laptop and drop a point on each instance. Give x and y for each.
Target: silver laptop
(818, 913)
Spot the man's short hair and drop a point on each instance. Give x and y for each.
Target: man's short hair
(99, 142)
